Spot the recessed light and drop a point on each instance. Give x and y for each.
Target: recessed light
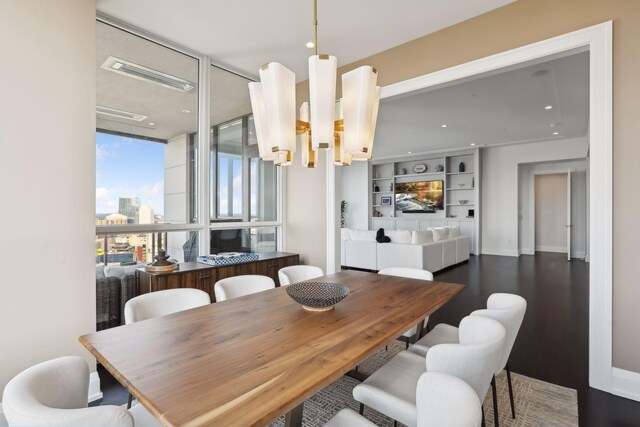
(310, 45)
(548, 107)
(444, 126)
(152, 124)
(556, 133)
(408, 152)
(472, 144)
(186, 111)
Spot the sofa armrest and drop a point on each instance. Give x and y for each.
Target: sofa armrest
(107, 302)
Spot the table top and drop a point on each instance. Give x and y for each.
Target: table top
(196, 266)
(249, 360)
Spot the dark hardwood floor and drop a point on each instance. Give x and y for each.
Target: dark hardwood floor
(553, 341)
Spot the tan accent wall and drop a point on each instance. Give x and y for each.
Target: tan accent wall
(528, 21)
(47, 181)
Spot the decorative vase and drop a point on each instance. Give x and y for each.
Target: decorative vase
(461, 167)
(391, 187)
(376, 189)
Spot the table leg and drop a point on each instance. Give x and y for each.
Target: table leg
(294, 417)
(419, 329)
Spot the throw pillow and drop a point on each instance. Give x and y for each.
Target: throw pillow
(440, 233)
(420, 237)
(454, 231)
(381, 238)
(399, 236)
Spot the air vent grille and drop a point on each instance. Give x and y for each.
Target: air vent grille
(120, 114)
(139, 72)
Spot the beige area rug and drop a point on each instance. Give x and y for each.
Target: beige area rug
(538, 403)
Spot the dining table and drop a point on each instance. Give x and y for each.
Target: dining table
(249, 360)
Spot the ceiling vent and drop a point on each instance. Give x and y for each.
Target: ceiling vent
(148, 74)
(120, 114)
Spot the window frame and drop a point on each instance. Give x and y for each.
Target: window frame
(203, 171)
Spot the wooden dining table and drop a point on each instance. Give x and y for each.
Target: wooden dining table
(247, 361)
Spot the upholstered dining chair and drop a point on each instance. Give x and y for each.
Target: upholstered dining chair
(391, 390)
(160, 303)
(411, 273)
(54, 393)
(238, 286)
(154, 304)
(298, 273)
(509, 310)
(442, 400)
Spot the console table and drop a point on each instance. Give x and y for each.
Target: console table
(204, 276)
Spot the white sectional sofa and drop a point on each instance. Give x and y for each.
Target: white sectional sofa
(432, 249)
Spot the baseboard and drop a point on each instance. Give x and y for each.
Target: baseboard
(559, 249)
(500, 252)
(579, 255)
(94, 387)
(527, 252)
(625, 384)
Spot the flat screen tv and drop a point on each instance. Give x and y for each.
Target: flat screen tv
(420, 196)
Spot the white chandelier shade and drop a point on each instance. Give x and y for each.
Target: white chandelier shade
(322, 90)
(279, 97)
(259, 120)
(360, 99)
(308, 154)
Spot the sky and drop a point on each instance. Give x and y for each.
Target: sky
(128, 167)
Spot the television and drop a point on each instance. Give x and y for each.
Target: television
(420, 196)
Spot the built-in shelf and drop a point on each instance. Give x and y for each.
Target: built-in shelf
(381, 179)
(460, 188)
(408, 175)
(382, 192)
(459, 204)
(381, 206)
(460, 173)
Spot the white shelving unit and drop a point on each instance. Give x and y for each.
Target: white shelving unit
(460, 182)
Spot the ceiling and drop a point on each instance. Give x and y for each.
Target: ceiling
(500, 108)
(243, 35)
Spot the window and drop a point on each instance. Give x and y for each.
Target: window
(119, 248)
(146, 140)
(259, 239)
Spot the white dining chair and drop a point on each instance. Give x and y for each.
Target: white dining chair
(509, 310)
(160, 303)
(298, 273)
(54, 393)
(411, 273)
(391, 390)
(238, 286)
(442, 400)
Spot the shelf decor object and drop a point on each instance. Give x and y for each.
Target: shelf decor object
(461, 167)
(346, 126)
(420, 168)
(162, 263)
(228, 258)
(317, 296)
(439, 168)
(385, 201)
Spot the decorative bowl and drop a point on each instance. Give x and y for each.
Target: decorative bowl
(452, 215)
(461, 185)
(463, 202)
(317, 296)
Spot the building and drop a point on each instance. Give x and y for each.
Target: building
(130, 207)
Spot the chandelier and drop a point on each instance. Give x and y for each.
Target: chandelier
(346, 126)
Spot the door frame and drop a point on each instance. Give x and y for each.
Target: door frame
(598, 39)
(532, 203)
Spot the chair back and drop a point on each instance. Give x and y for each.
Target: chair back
(298, 273)
(238, 286)
(55, 393)
(446, 401)
(508, 309)
(160, 303)
(475, 358)
(411, 273)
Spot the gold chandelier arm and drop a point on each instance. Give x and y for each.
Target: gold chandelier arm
(302, 127)
(315, 27)
(338, 125)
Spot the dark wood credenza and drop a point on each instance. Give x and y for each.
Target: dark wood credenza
(204, 276)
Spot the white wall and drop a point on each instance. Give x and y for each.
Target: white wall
(47, 176)
(579, 178)
(499, 187)
(355, 191)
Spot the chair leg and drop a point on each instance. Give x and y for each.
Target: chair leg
(395, 423)
(513, 406)
(495, 402)
(483, 424)
(361, 409)
(129, 400)
(386, 348)
(406, 345)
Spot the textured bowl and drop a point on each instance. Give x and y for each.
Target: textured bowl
(463, 202)
(317, 296)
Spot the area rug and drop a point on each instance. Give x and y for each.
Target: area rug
(538, 403)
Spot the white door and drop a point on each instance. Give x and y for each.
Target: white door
(569, 216)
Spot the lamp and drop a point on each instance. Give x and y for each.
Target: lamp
(347, 126)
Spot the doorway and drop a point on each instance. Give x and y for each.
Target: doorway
(552, 213)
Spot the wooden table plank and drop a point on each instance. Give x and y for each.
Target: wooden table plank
(249, 360)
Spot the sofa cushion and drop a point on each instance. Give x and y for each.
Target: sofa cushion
(440, 233)
(363, 235)
(419, 237)
(454, 231)
(345, 234)
(119, 271)
(399, 236)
